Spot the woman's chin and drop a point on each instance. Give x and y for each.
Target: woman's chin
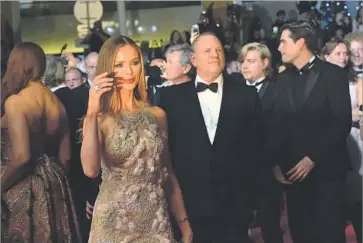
(126, 87)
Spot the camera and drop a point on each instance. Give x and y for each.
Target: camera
(195, 28)
(64, 60)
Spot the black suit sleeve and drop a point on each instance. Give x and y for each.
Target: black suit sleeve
(259, 125)
(252, 157)
(341, 121)
(276, 132)
(164, 103)
(162, 99)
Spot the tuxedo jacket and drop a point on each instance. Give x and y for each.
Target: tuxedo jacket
(265, 181)
(214, 178)
(87, 186)
(75, 102)
(81, 93)
(318, 127)
(266, 94)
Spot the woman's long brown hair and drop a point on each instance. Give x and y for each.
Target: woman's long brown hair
(111, 102)
(329, 47)
(26, 63)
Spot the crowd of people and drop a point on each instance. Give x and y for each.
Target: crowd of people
(187, 145)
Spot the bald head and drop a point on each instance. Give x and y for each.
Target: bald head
(91, 63)
(208, 56)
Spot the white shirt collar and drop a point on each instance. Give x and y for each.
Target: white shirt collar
(312, 59)
(165, 84)
(255, 82)
(218, 80)
(58, 87)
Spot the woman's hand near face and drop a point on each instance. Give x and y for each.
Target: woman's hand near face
(101, 84)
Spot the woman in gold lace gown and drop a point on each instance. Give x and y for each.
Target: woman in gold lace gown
(126, 138)
(36, 200)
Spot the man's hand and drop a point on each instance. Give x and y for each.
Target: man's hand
(279, 176)
(89, 210)
(301, 170)
(193, 36)
(72, 62)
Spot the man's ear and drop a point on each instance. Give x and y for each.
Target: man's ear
(192, 59)
(266, 63)
(187, 68)
(300, 43)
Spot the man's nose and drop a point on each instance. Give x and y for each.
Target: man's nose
(215, 53)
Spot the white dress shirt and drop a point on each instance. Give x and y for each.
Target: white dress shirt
(210, 104)
(164, 84)
(63, 85)
(258, 87)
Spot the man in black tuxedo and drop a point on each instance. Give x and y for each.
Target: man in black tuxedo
(255, 66)
(308, 139)
(214, 134)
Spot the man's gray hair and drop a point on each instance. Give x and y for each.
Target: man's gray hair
(54, 72)
(185, 50)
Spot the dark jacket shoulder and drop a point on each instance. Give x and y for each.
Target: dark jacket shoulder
(329, 68)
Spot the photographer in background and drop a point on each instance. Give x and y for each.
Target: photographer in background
(207, 23)
(96, 37)
(280, 21)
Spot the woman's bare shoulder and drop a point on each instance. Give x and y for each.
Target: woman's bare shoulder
(14, 103)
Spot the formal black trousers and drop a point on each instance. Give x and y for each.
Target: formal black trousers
(316, 211)
(268, 205)
(269, 218)
(355, 215)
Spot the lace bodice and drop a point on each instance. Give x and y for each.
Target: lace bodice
(133, 149)
(131, 205)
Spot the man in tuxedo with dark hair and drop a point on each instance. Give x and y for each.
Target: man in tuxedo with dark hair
(308, 139)
(215, 130)
(255, 67)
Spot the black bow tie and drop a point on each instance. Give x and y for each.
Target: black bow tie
(202, 86)
(257, 83)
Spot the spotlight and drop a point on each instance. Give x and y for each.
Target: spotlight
(140, 29)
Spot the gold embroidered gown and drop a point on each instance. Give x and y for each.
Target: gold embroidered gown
(39, 208)
(131, 204)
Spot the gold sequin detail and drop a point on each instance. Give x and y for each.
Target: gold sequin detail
(131, 205)
(39, 208)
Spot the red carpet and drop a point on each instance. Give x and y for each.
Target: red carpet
(257, 238)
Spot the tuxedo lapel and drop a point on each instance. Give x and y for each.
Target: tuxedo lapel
(262, 90)
(312, 79)
(223, 110)
(193, 106)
